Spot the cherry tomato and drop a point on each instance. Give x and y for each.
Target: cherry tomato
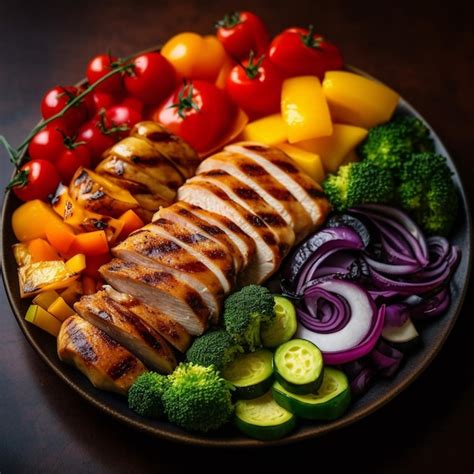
(55, 100)
(242, 32)
(133, 103)
(97, 101)
(151, 79)
(70, 160)
(300, 51)
(37, 179)
(96, 139)
(198, 112)
(121, 117)
(98, 67)
(48, 144)
(255, 86)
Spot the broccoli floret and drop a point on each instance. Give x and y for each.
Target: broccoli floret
(244, 313)
(389, 144)
(198, 399)
(427, 192)
(216, 348)
(359, 183)
(146, 393)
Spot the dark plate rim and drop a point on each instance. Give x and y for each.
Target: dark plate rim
(242, 442)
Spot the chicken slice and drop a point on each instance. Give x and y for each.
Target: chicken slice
(262, 182)
(279, 164)
(170, 329)
(107, 364)
(128, 329)
(210, 197)
(161, 290)
(249, 199)
(181, 213)
(160, 253)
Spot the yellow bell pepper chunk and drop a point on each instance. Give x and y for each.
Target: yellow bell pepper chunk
(309, 162)
(358, 100)
(304, 109)
(30, 220)
(113, 189)
(270, 130)
(77, 263)
(22, 254)
(60, 309)
(334, 149)
(72, 293)
(45, 298)
(44, 320)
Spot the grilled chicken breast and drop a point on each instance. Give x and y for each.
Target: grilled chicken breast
(277, 163)
(106, 363)
(159, 290)
(128, 329)
(262, 182)
(160, 253)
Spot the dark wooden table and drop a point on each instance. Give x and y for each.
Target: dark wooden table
(424, 51)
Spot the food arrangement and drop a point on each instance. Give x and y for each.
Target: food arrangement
(165, 196)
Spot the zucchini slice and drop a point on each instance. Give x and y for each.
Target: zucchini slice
(329, 402)
(299, 366)
(251, 374)
(262, 418)
(283, 326)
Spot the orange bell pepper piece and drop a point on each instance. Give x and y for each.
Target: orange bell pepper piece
(94, 262)
(131, 222)
(60, 236)
(41, 251)
(88, 285)
(91, 243)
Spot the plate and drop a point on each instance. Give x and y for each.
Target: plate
(433, 334)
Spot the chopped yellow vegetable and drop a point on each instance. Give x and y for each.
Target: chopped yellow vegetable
(60, 309)
(270, 130)
(77, 263)
(357, 100)
(22, 254)
(44, 320)
(309, 162)
(304, 109)
(336, 147)
(72, 293)
(45, 298)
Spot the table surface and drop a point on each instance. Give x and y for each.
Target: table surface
(423, 51)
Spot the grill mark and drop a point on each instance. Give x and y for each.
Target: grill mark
(122, 367)
(269, 238)
(168, 328)
(196, 303)
(192, 267)
(316, 193)
(220, 194)
(156, 278)
(272, 219)
(104, 315)
(256, 148)
(215, 254)
(119, 265)
(253, 170)
(235, 228)
(108, 341)
(254, 220)
(152, 249)
(216, 173)
(191, 239)
(285, 166)
(97, 195)
(158, 137)
(281, 194)
(247, 193)
(211, 229)
(81, 344)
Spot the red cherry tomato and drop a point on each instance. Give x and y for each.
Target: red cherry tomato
(48, 144)
(55, 100)
(37, 179)
(96, 139)
(71, 160)
(98, 67)
(133, 103)
(97, 101)
(255, 86)
(299, 51)
(122, 118)
(242, 32)
(198, 112)
(152, 78)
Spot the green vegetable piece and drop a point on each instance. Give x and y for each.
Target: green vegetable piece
(146, 394)
(283, 326)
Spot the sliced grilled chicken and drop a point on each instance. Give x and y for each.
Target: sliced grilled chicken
(212, 198)
(249, 199)
(280, 165)
(128, 329)
(98, 194)
(106, 363)
(178, 152)
(162, 254)
(159, 289)
(181, 213)
(205, 250)
(262, 182)
(170, 329)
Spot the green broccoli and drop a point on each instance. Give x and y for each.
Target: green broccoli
(388, 145)
(216, 348)
(427, 192)
(244, 313)
(198, 399)
(145, 395)
(359, 183)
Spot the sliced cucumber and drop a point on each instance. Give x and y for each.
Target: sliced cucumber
(263, 418)
(251, 374)
(283, 326)
(404, 337)
(329, 402)
(299, 366)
